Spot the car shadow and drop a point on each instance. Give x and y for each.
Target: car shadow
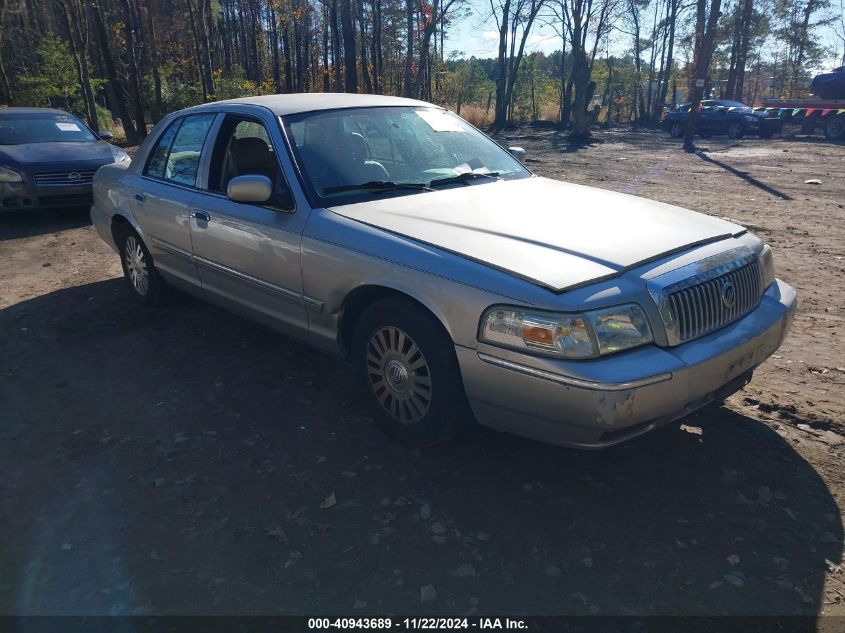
(186, 461)
(17, 224)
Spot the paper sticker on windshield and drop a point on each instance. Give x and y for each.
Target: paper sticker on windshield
(440, 121)
(68, 127)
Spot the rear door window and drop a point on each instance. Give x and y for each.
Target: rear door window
(177, 155)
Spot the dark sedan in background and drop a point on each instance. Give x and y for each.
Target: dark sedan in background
(720, 116)
(48, 159)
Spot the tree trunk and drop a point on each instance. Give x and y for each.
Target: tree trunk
(375, 43)
(501, 116)
(669, 66)
(705, 33)
(72, 15)
(129, 28)
(742, 54)
(409, 48)
(154, 63)
(113, 86)
(6, 94)
(274, 42)
(365, 70)
(335, 36)
(350, 63)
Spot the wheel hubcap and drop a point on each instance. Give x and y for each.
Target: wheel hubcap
(398, 375)
(136, 265)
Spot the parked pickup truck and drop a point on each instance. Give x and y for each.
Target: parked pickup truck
(458, 285)
(720, 116)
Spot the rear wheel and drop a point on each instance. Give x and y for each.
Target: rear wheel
(735, 130)
(676, 130)
(406, 364)
(834, 129)
(138, 268)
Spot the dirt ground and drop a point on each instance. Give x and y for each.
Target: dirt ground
(175, 462)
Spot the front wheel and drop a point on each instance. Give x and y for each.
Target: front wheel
(406, 364)
(676, 130)
(735, 131)
(138, 268)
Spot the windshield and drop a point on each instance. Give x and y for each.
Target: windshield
(360, 153)
(42, 127)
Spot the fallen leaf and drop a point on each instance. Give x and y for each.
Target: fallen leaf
(328, 502)
(278, 533)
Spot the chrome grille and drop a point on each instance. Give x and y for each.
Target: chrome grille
(704, 307)
(64, 178)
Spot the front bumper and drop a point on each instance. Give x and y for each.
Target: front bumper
(593, 404)
(25, 195)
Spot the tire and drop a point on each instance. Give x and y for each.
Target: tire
(405, 363)
(139, 271)
(834, 129)
(735, 131)
(676, 130)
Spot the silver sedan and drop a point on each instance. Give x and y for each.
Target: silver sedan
(459, 286)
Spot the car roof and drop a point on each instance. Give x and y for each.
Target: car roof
(32, 111)
(309, 102)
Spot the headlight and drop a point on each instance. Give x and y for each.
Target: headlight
(620, 328)
(585, 335)
(118, 154)
(10, 175)
(767, 266)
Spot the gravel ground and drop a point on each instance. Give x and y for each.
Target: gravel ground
(180, 461)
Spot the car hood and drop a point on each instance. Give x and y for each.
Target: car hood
(555, 234)
(50, 154)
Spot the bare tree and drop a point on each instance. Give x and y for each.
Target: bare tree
(705, 33)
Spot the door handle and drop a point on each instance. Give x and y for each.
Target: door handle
(140, 197)
(200, 215)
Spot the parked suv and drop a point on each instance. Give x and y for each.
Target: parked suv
(719, 116)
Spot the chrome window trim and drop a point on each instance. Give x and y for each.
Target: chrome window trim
(571, 381)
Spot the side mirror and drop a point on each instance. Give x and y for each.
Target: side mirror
(105, 136)
(518, 153)
(252, 188)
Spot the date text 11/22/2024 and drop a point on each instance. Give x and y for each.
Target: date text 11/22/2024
(415, 624)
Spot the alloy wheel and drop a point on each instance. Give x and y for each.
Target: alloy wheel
(735, 131)
(398, 375)
(136, 265)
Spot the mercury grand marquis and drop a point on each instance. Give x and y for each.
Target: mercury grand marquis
(456, 283)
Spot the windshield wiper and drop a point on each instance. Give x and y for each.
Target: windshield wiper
(464, 177)
(378, 186)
